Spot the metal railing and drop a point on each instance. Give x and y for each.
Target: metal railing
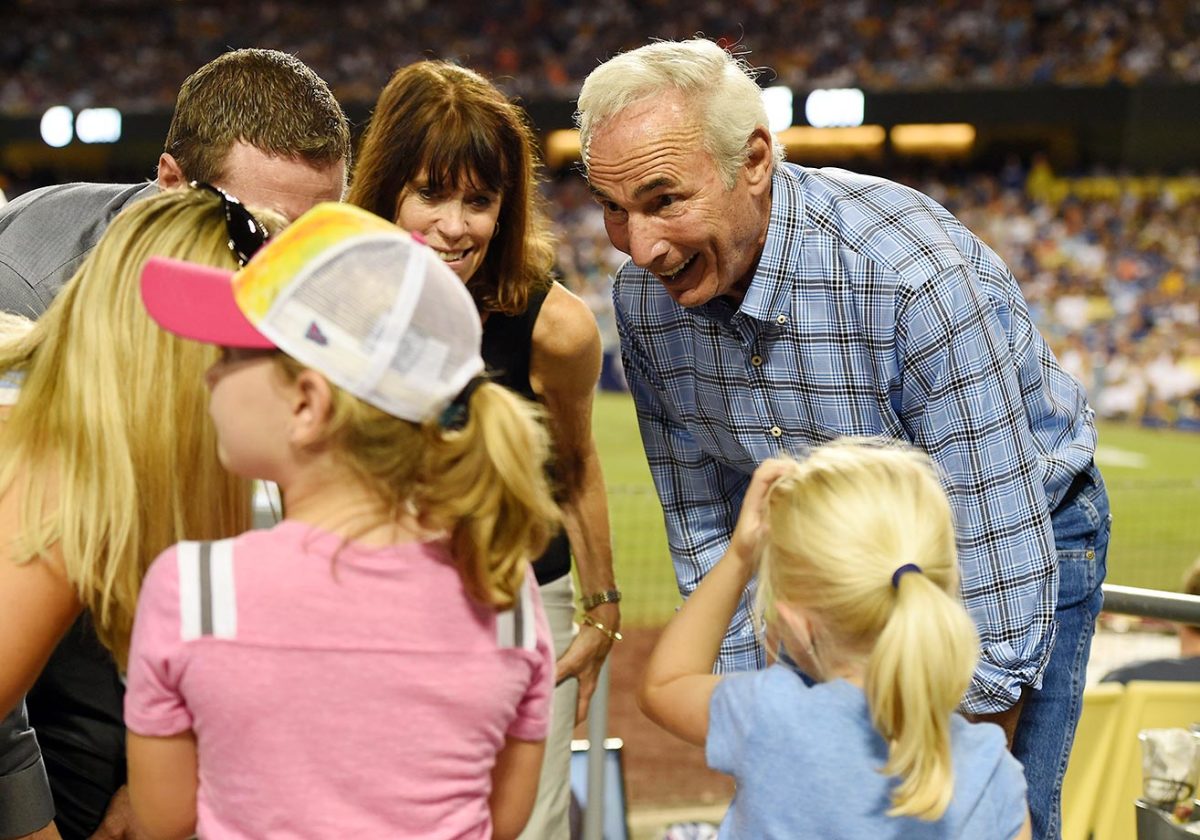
(1152, 603)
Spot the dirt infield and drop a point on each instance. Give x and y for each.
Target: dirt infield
(660, 769)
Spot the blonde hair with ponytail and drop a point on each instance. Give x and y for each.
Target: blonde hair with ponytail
(839, 526)
(484, 484)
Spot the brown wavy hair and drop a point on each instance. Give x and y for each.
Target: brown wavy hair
(455, 127)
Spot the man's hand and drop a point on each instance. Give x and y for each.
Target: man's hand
(119, 823)
(585, 655)
(50, 832)
(1006, 720)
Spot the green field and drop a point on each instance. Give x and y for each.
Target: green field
(1153, 477)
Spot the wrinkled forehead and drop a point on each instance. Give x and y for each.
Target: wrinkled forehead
(644, 121)
(645, 150)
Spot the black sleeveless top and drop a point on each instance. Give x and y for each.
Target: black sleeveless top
(507, 346)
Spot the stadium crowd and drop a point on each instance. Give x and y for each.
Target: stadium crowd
(1112, 279)
(133, 53)
(1113, 282)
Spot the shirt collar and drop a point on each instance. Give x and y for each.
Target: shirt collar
(769, 294)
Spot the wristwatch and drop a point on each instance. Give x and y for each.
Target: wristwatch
(608, 596)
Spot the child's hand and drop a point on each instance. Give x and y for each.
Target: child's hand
(750, 525)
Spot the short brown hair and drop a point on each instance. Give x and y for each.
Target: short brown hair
(268, 99)
(455, 126)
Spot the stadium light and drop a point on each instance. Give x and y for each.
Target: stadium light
(939, 138)
(562, 147)
(58, 126)
(778, 101)
(98, 125)
(859, 140)
(835, 107)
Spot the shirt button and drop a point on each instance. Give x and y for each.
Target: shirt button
(782, 319)
(776, 431)
(756, 360)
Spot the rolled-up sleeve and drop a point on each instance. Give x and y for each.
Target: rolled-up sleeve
(26, 804)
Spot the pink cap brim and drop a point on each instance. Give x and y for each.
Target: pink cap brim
(196, 301)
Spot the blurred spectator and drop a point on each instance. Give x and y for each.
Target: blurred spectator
(587, 263)
(1186, 667)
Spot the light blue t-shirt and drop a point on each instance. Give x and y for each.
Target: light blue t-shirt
(10, 387)
(806, 762)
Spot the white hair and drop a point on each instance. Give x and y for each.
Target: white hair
(719, 88)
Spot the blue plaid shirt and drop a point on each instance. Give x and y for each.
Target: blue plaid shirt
(873, 311)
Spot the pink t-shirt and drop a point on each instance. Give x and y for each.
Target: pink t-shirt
(335, 690)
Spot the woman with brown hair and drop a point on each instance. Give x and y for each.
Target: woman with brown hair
(448, 156)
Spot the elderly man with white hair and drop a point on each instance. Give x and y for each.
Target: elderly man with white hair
(771, 307)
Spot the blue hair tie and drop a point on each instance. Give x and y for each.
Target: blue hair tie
(457, 413)
(900, 572)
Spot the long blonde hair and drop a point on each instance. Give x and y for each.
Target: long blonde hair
(839, 526)
(484, 484)
(108, 445)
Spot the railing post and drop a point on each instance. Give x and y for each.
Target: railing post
(593, 815)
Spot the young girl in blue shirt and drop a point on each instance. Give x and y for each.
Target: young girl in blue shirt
(854, 549)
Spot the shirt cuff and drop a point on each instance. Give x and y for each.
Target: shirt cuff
(995, 688)
(27, 802)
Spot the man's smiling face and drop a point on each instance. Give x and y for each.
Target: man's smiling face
(667, 207)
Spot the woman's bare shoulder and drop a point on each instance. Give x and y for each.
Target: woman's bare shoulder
(566, 331)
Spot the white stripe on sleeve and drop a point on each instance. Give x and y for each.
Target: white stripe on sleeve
(224, 591)
(187, 555)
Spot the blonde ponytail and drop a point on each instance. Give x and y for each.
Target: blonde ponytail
(487, 483)
(840, 524)
(915, 677)
(484, 484)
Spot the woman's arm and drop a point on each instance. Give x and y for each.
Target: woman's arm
(678, 682)
(37, 605)
(563, 370)
(514, 786)
(162, 784)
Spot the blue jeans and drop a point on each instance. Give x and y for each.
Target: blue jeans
(1047, 726)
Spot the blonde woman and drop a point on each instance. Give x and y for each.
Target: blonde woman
(104, 456)
(858, 585)
(396, 598)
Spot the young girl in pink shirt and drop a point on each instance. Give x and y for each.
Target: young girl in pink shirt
(377, 664)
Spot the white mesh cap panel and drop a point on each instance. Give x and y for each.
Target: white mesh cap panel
(385, 320)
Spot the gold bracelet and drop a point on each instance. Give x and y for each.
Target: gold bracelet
(613, 635)
(608, 596)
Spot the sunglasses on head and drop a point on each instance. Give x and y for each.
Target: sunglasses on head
(246, 235)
